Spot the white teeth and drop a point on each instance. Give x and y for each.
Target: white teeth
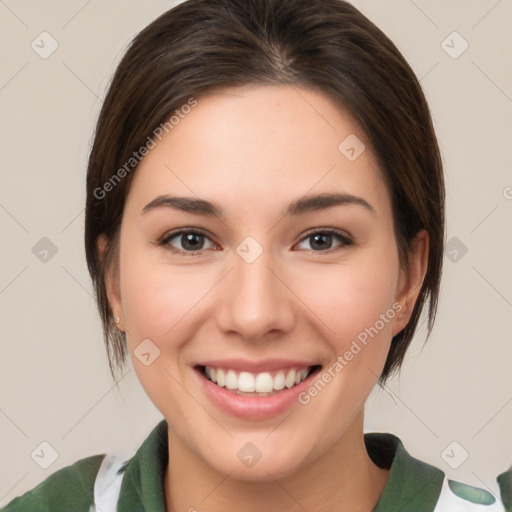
(289, 381)
(264, 383)
(279, 381)
(246, 382)
(261, 383)
(231, 380)
(221, 379)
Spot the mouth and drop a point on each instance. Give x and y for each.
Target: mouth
(257, 384)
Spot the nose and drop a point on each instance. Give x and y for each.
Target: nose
(255, 300)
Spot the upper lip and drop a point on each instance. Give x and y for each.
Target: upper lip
(266, 365)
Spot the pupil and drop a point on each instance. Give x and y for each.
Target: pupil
(189, 241)
(319, 238)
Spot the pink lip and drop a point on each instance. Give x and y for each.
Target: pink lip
(253, 408)
(268, 365)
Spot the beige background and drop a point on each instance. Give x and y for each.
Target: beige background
(54, 381)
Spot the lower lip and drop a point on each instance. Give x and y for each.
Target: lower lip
(253, 407)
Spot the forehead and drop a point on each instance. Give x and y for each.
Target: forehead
(265, 144)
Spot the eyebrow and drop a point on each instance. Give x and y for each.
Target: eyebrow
(300, 206)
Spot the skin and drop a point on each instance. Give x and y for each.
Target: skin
(254, 150)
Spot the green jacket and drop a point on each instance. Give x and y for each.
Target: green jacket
(101, 482)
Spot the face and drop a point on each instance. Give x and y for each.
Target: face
(287, 301)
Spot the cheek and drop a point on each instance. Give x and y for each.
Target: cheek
(353, 305)
(157, 303)
(349, 297)
(156, 299)
(161, 302)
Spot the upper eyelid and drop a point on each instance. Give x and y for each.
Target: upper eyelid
(181, 231)
(339, 232)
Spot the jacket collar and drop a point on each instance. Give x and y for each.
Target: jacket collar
(412, 484)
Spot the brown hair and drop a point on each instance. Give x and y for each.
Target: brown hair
(327, 45)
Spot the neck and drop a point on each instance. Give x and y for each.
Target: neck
(342, 479)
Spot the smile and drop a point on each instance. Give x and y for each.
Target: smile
(257, 384)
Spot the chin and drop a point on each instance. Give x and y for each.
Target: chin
(260, 460)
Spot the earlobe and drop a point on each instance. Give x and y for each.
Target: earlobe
(112, 286)
(411, 280)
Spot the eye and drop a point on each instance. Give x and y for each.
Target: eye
(190, 242)
(187, 242)
(322, 240)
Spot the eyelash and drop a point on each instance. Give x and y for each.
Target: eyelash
(164, 241)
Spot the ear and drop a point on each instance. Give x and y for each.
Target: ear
(410, 281)
(112, 284)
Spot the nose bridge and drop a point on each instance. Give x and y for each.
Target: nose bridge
(254, 300)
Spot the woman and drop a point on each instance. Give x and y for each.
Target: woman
(264, 227)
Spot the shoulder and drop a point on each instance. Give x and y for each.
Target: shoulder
(505, 483)
(416, 485)
(70, 489)
(459, 497)
(103, 483)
